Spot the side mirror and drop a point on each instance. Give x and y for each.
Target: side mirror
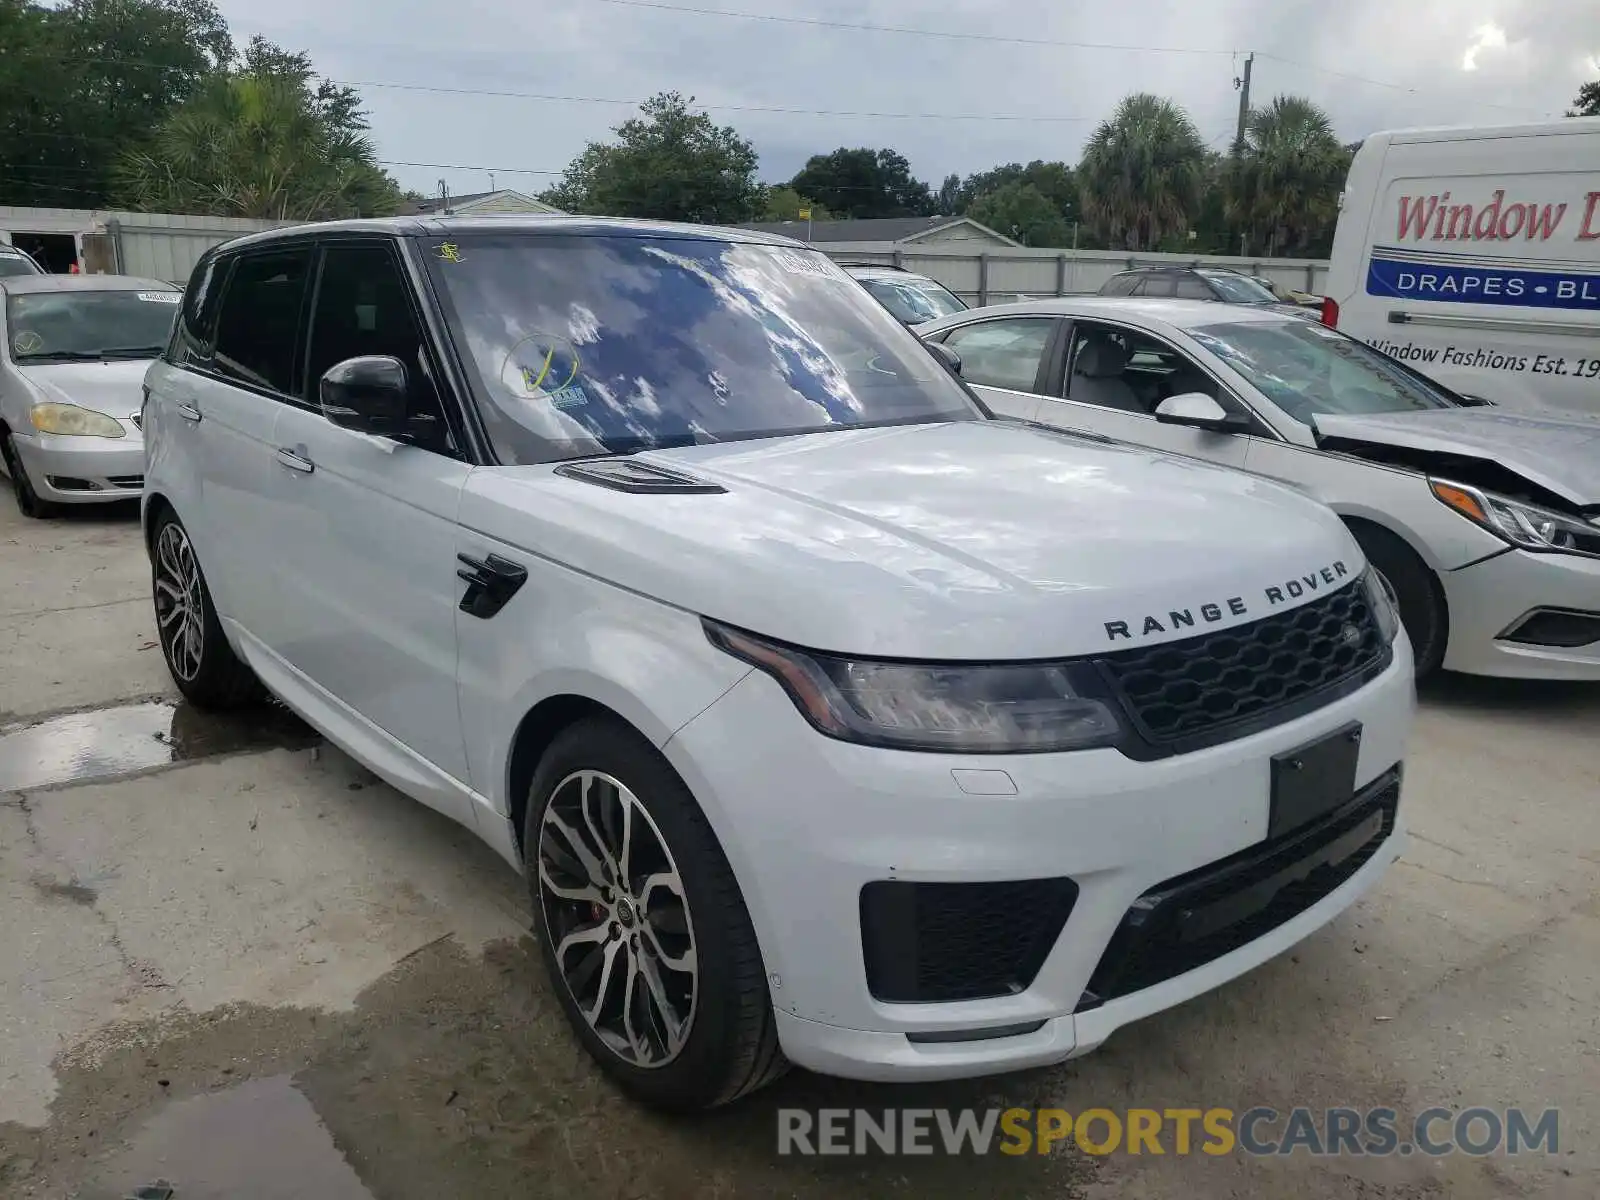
(1199, 411)
(367, 394)
(949, 357)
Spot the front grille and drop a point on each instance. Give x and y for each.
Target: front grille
(959, 941)
(125, 481)
(1198, 917)
(1201, 687)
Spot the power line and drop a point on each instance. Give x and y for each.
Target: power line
(952, 35)
(752, 108)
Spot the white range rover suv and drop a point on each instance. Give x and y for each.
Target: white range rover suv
(830, 719)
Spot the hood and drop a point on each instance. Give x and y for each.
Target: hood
(971, 540)
(1558, 454)
(114, 388)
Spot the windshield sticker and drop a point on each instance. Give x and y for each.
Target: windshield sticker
(450, 252)
(545, 366)
(571, 396)
(27, 342)
(160, 297)
(805, 264)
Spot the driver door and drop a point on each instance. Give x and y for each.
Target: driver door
(1115, 377)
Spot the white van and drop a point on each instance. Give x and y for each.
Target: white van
(1473, 255)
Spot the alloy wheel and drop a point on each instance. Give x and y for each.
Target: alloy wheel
(615, 910)
(180, 602)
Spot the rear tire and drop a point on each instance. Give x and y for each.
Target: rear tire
(201, 662)
(661, 977)
(1416, 587)
(28, 501)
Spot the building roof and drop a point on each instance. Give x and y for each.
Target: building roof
(470, 200)
(870, 229)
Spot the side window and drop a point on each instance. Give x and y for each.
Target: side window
(1190, 288)
(1005, 353)
(259, 324)
(1120, 285)
(1134, 372)
(363, 307)
(197, 319)
(1157, 285)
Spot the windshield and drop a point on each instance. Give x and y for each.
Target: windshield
(1306, 369)
(14, 262)
(1240, 289)
(913, 300)
(89, 324)
(595, 345)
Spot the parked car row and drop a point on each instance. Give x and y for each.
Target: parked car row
(901, 703)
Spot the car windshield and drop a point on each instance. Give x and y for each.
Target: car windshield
(42, 326)
(14, 262)
(589, 345)
(1306, 369)
(914, 300)
(1240, 289)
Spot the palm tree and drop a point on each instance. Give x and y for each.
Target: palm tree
(1142, 173)
(256, 145)
(1282, 182)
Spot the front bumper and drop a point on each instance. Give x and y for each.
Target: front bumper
(808, 822)
(83, 470)
(1488, 599)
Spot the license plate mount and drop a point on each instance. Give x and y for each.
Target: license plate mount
(1313, 780)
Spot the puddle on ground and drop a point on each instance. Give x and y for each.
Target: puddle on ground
(107, 742)
(261, 1140)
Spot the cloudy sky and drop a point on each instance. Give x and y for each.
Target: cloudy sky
(1373, 64)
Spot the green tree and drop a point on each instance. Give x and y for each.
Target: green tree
(783, 203)
(1053, 180)
(260, 143)
(948, 198)
(668, 163)
(1142, 172)
(865, 183)
(1587, 101)
(1282, 182)
(83, 79)
(1022, 212)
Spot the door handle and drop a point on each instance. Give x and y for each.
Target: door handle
(188, 412)
(295, 459)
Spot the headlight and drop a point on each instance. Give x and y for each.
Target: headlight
(79, 422)
(1521, 524)
(1003, 708)
(1383, 602)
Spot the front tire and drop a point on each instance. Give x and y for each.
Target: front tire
(28, 501)
(201, 662)
(642, 926)
(1416, 588)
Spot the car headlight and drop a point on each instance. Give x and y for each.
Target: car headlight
(78, 422)
(1384, 603)
(1004, 708)
(1521, 524)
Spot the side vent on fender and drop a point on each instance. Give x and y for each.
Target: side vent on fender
(639, 478)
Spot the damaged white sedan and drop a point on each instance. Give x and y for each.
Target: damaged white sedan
(1486, 523)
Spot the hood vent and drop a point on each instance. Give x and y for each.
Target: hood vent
(639, 478)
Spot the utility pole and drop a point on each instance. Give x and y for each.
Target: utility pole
(1243, 84)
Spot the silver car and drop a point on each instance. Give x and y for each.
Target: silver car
(72, 363)
(1485, 522)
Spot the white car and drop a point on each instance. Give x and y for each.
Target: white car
(72, 361)
(828, 718)
(1486, 523)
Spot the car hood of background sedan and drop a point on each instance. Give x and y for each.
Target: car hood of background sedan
(970, 540)
(1559, 454)
(113, 388)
